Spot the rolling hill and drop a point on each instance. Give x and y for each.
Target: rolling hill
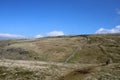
(79, 57)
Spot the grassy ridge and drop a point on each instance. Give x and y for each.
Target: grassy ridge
(46, 49)
(97, 59)
(98, 49)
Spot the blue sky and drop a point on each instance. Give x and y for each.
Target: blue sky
(32, 18)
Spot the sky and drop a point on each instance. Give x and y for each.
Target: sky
(39, 18)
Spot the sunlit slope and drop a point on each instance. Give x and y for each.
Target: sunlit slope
(55, 49)
(99, 49)
(39, 70)
(68, 49)
(82, 57)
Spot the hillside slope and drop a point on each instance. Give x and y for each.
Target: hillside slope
(39, 70)
(81, 57)
(55, 49)
(90, 49)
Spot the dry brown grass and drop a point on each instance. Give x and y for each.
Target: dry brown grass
(50, 49)
(98, 49)
(32, 70)
(58, 49)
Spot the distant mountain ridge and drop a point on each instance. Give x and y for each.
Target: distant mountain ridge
(4, 38)
(7, 38)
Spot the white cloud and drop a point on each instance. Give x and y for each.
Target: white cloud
(11, 35)
(52, 33)
(38, 36)
(113, 30)
(55, 33)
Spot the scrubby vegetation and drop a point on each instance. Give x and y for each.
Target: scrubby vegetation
(80, 57)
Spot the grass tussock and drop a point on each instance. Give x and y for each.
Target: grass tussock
(78, 74)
